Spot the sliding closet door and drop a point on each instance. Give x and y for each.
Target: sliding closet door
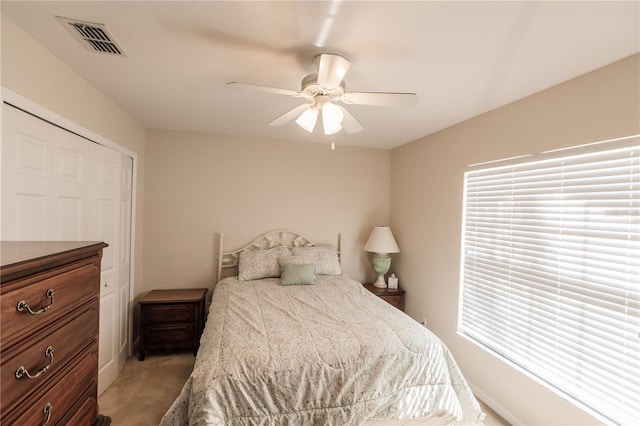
(59, 186)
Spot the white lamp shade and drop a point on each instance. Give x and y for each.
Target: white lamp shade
(381, 241)
(307, 119)
(332, 130)
(331, 118)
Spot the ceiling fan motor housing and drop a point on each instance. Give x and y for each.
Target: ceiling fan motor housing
(310, 89)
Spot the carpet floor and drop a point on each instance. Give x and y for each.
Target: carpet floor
(145, 390)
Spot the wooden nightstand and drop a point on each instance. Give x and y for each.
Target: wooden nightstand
(171, 320)
(394, 297)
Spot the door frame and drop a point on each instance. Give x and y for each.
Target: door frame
(14, 99)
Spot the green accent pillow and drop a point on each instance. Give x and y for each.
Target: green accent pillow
(295, 274)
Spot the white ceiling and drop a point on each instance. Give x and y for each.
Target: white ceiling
(460, 58)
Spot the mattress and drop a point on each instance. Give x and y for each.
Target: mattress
(330, 353)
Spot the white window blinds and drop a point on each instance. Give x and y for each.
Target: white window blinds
(551, 271)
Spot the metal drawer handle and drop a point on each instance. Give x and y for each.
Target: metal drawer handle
(22, 305)
(47, 412)
(21, 371)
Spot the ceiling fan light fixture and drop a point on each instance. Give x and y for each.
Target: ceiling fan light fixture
(325, 91)
(331, 118)
(307, 119)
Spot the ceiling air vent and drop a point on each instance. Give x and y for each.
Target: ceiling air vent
(93, 36)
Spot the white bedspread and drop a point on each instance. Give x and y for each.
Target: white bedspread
(325, 354)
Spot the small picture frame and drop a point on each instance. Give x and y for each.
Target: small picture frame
(393, 282)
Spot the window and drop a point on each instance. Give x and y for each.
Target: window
(551, 271)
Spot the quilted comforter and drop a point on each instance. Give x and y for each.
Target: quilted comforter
(324, 354)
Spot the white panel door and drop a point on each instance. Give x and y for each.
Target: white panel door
(124, 268)
(27, 177)
(45, 182)
(71, 184)
(57, 185)
(105, 212)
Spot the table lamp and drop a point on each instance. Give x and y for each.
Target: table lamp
(381, 243)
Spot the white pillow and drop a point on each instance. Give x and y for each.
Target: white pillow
(324, 257)
(257, 264)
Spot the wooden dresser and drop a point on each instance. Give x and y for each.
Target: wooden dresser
(49, 300)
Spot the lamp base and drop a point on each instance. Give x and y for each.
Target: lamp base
(381, 263)
(380, 282)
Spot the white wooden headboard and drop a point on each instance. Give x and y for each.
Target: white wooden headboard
(281, 237)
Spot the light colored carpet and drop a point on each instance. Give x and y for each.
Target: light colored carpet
(145, 390)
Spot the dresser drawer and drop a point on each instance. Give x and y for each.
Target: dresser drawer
(60, 398)
(71, 286)
(168, 313)
(169, 337)
(67, 338)
(86, 411)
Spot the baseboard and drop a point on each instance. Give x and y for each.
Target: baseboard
(495, 405)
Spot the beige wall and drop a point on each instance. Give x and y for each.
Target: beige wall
(33, 72)
(426, 204)
(199, 185)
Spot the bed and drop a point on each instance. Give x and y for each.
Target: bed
(290, 340)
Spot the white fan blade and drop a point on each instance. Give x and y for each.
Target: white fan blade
(381, 98)
(290, 115)
(349, 122)
(331, 70)
(266, 89)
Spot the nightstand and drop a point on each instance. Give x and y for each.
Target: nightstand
(171, 320)
(394, 297)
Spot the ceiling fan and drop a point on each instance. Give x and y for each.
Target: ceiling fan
(323, 91)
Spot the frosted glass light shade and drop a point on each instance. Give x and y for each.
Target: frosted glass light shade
(381, 240)
(331, 118)
(307, 119)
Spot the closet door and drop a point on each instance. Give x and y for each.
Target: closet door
(59, 186)
(45, 181)
(71, 184)
(27, 177)
(105, 213)
(124, 268)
